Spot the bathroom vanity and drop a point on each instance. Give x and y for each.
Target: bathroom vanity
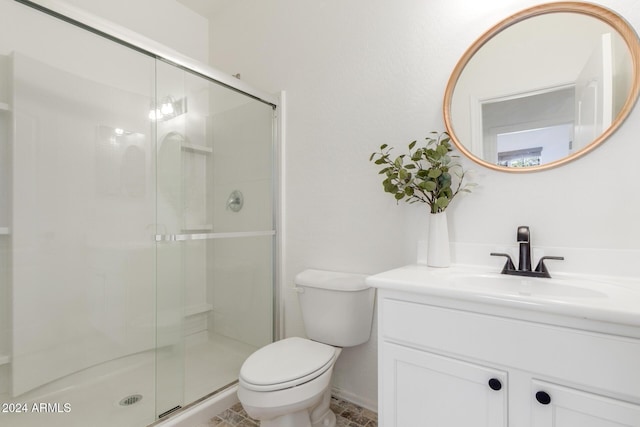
(465, 347)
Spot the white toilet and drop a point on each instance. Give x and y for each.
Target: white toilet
(288, 383)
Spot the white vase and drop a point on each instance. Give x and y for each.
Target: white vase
(438, 251)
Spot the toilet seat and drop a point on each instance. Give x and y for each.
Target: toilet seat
(286, 363)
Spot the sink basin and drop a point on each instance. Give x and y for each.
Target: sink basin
(524, 286)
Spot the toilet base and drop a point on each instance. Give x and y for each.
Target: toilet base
(327, 420)
(301, 419)
(297, 419)
(320, 416)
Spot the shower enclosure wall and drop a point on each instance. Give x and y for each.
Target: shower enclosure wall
(137, 227)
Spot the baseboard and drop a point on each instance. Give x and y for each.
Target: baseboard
(353, 398)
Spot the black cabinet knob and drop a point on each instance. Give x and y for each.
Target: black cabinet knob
(543, 398)
(495, 384)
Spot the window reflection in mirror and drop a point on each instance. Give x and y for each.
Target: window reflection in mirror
(542, 120)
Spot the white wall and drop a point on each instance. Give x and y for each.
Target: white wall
(366, 72)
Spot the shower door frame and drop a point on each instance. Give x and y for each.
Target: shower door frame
(160, 52)
(147, 46)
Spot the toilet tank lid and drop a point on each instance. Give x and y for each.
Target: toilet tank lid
(331, 280)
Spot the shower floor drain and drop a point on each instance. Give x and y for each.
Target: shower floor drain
(130, 400)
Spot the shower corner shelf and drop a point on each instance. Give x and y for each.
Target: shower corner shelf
(199, 227)
(202, 149)
(197, 309)
(5, 359)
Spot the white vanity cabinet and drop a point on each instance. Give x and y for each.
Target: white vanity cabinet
(570, 407)
(449, 363)
(423, 388)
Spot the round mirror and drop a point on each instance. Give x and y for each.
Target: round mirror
(543, 87)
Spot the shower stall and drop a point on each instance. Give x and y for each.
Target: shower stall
(137, 225)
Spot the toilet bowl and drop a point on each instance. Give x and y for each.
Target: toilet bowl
(288, 383)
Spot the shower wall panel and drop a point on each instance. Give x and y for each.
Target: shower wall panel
(83, 278)
(241, 270)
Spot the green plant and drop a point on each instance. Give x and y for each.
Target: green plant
(426, 176)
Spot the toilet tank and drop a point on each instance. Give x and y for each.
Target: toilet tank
(337, 308)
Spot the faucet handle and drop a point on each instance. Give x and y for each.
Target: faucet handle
(508, 266)
(542, 268)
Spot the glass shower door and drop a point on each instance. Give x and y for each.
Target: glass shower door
(136, 228)
(77, 286)
(215, 233)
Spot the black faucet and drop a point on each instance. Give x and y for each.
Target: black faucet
(524, 241)
(524, 260)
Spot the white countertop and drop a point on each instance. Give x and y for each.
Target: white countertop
(590, 298)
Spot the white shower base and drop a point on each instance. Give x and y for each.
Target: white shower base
(91, 397)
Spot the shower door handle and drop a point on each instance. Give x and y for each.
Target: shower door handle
(208, 236)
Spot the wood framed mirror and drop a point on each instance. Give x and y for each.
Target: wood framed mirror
(543, 87)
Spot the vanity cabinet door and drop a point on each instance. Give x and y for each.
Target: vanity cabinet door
(557, 406)
(424, 389)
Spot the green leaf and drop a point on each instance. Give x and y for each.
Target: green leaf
(427, 185)
(409, 191)
(383, 146)
(380, 161)
(413, 144)
(442, 202)
(393, 189)
(403, 174)
(442, 150)
(434, 173)
(388, 186)
(445, 180)
(410, 167)
(399, 196)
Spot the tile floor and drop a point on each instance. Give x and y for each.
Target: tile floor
(347, 415)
